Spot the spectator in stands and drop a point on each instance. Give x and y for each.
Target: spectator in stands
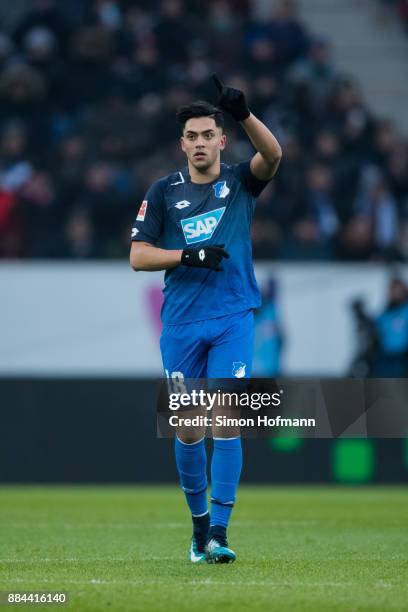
(262, 58)
(15, 168)
(396, 169)
(316, 222)
(105, 204)
(42, 215)
(142, 73)
(392, 333)
(6, 49)
(109, 13)
(68, 163)
(268, 342)
(316, 71)
(15, 172)
(328, 150)
(375, 203)
(41, 52)
(44, 14)
(80, 241)
(284, 31)
(266, 231)
(174, 32)
(384, 141)
(23, 96)
(89, 76)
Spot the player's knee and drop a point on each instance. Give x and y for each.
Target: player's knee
(190, 437)
(226, 432)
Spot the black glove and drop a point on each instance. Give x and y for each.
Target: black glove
(204, 257)
(231, 100)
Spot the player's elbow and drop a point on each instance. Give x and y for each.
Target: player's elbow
(278, 160)
(134, 263)
(136, 257)
(275, 161)
(275, 156)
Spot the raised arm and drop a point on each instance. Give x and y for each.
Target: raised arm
(269, 153)
(265, 162)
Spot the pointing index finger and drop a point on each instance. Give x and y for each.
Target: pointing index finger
(217, 82)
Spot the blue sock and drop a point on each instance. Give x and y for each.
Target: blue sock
(226, 467)
(191, 460)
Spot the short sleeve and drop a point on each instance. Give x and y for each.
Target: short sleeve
(252, 184)
(149, 220)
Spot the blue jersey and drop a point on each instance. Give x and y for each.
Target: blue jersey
(178, 214)
(392, 328)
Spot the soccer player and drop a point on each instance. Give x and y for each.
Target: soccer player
(195, 224)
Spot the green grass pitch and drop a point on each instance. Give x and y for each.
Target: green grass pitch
(124, 548)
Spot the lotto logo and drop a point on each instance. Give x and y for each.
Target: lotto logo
(201, 227)
(182, 204)
(142, 211)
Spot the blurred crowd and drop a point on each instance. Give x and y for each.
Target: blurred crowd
(400, 8)
(88, 94)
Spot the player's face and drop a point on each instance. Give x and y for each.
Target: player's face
(202, 142)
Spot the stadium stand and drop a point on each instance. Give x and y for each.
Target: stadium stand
(88, 93)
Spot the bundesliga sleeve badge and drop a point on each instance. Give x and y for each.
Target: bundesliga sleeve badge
(142, 211)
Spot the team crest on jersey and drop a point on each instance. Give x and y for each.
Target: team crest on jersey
(221, 189)
(142, 211)
(238, 369)
(201, 227)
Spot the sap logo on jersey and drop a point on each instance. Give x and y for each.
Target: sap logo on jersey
(201, 227)
(221, 189)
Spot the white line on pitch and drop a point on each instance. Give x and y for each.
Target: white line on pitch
(203, 582)
(135, 525)
(85, 560)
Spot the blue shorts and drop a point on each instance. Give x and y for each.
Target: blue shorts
(215, 348)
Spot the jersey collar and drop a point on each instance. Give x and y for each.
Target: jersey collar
(187, 178)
